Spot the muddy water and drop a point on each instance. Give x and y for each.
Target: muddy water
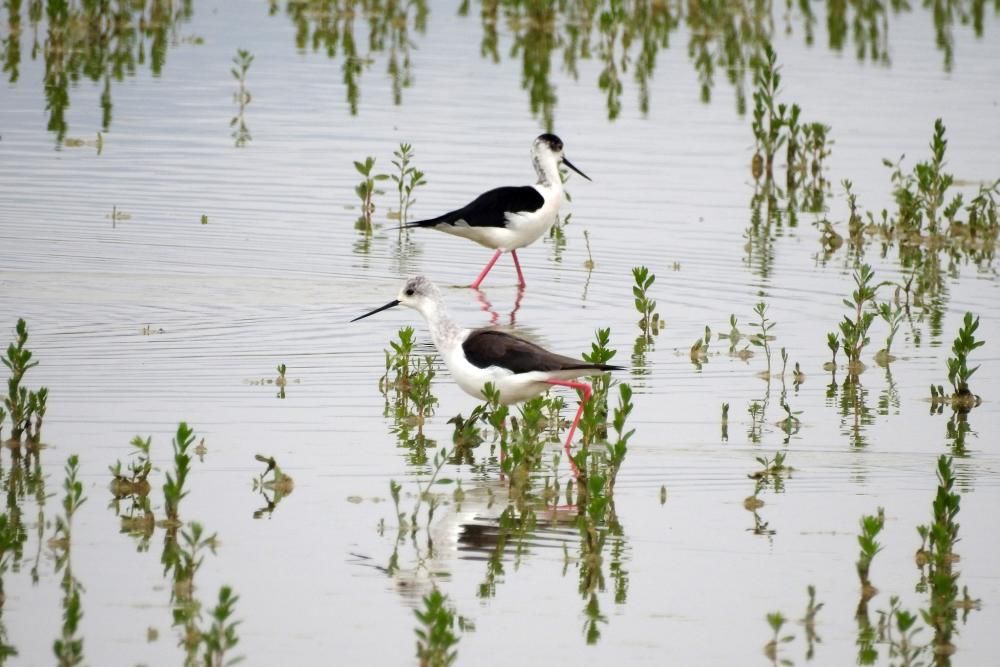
(151, 318)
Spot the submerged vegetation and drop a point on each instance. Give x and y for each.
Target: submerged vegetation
(504, 466)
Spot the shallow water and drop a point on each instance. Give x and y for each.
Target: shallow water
(279, 270)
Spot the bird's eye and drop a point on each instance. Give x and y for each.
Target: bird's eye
(409, 292)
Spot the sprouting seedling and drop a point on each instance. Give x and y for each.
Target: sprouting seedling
(833, 343)
(790, 424)
(771, 468)
(893, 317)
(768, 116)
(646, 307)
(220, 637)
(776, 620)
(940, 537)
(761, 338)
(898, 628)
(132, 481)
(407, 180)
(173, 487)
(958, 364)
(21, 403)
(436, 638)
(725, 422)
(495, 413)
(871, 526)
(366, 191)
(854, 330)
(242, 61)
(808, 621)
(72, 500)
(734, 334)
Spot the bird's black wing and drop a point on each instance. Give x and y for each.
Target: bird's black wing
(490, 209)
(492, 347)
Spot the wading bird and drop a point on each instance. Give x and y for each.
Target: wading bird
(509, 218)
(519, 369)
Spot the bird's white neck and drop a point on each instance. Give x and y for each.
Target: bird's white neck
(445, 333)
(547, 168)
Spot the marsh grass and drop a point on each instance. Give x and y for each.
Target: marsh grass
(174, 487)
(242, 98)
(220, 637)
(366, 191)
(871, 526)
(406, 386)
(959, 372)
(408, 178)
(25, 408)
(436, 637)
(68, 648)
(931, 225)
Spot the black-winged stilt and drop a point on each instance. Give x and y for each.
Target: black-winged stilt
(519, 369)
(512, 217)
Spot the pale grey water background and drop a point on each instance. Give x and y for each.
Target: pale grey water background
(274, 277)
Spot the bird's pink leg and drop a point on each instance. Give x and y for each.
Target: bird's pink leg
(486, 270)
(517, 265)
(587, 392)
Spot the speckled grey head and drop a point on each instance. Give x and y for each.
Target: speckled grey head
(416, 289)
(418, 293)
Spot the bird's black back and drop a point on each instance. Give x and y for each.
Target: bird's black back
(492, 347)
(490, 209)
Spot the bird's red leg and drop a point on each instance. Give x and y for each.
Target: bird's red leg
(517, 265)
(587, 392)
(486, 270)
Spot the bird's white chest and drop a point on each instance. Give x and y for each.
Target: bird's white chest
(529, 226)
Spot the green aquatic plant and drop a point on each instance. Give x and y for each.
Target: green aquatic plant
(71, 502)
(397, 362)
(893, 317)
(791, 422)
(173, 487)
(649, 320)
(281, 381)
(833, 343)
(776, 621)
(220, 638)
(898, 628)
(854, 328)
(700, 348)
(937, 551)
(769, 116)
(725, 422)
(436, 637)
(761, 338)
(25, 408)
(871, 526)
(593, 423)
(366, 191)
(241, 134)
(68, 648)
(808, 622)
(133, 480)
(958, 363)
(407, 180)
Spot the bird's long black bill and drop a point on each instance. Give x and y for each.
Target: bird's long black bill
(570, 165)
(391, 304)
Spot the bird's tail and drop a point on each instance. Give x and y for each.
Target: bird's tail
(432, 222)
